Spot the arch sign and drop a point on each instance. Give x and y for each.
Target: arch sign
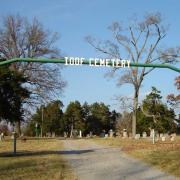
(98, 62)
(91, 62)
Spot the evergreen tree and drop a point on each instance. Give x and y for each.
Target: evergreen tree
(99, 119)
(48, 118)
(73, 118)
(12, 95)
(154, 114)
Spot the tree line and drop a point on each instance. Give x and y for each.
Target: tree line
(94, 118)
(97, 118)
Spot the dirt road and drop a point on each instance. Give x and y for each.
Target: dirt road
(94, 162)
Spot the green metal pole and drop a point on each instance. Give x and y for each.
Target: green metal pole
(62, 61)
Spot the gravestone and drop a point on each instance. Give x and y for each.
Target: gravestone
(144, 135)
(102, 134)
(90, 134)
(53, 134)
(137, 136)
(172, 138)
(48, 134)
(173, 135)
(65, 135)
(163, 138)
(157, 137)
(111, 133)
(2, 136)
(124, 133)
(118, 134)
(80, 134)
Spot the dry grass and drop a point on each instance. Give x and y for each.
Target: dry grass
(36, 159)
(165, 155)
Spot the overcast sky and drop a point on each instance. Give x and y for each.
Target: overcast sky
(75, 19)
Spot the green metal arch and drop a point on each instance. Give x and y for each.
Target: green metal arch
(62, 61)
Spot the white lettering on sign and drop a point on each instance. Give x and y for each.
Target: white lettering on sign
(98, 62)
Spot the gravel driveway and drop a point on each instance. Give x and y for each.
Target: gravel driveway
(95, 162)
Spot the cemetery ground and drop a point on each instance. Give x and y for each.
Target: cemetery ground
(90, 158)
(35, 159)
(163, 155)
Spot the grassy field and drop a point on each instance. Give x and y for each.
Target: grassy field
(42, 159)
(164, 155)
(36, 159)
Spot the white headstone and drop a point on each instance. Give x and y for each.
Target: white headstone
(137, 136)
(111, 133)
(124, 133)
(173, 135)
(80, 134)
(53, 134)
(144, 135)
(172, 138)
(106, 135)
(65, 134)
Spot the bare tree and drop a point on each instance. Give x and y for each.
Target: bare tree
(141, 42)
(174, 100)
(125, 103)
(20, 38)
(124, 122)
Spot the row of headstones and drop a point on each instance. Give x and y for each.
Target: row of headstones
(103, 134)
(75, 134)
(53, 134)
(157, 136)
